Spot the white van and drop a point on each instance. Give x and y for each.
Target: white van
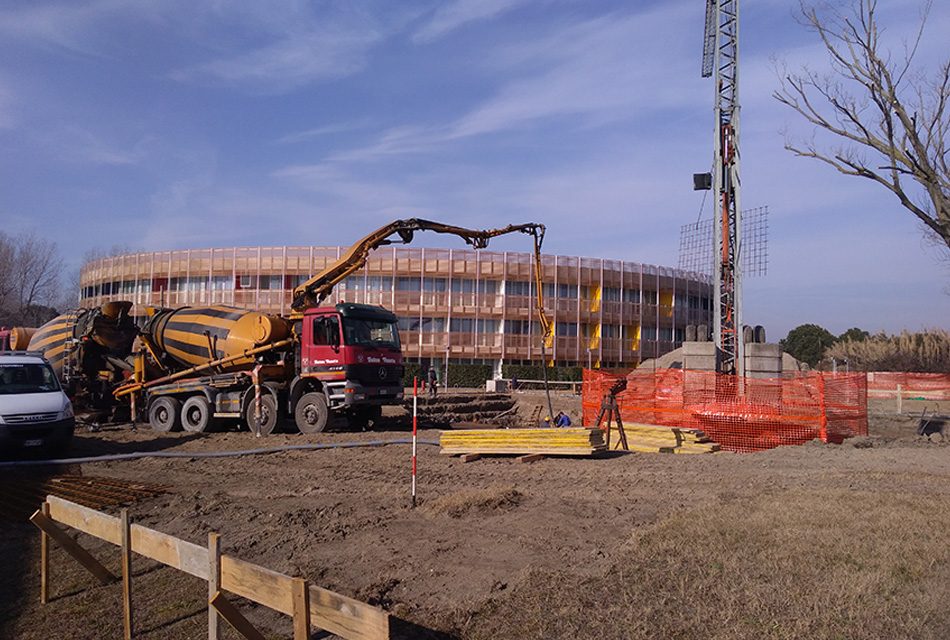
(34, 411)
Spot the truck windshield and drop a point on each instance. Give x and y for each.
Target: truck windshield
(365, 332)
(27, 378)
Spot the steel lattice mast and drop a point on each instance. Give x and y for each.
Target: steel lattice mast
(721, 60)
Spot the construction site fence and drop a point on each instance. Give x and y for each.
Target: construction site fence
(929, 386)
(741, 414)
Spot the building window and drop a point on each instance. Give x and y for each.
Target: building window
(566, 329)
(408, 284)
(486, 326)
(462, 325)
(434, 285)
(519, 288)
(631, 295)
(518, 327)
(611, 294)
(271, 282)
(463, 285)
(610, 331)
(221, 283)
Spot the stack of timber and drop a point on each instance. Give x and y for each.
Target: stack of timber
(651, 438)
(558, 442)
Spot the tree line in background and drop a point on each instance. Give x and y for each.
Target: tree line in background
(925, 351)
(30, 269)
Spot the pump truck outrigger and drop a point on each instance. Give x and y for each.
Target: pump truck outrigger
(196, 365)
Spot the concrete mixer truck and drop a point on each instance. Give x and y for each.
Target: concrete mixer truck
(197, 365)
(87, 349)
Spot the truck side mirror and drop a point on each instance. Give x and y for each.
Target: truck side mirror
(333, 332)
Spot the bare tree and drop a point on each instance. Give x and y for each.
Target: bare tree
(29, 278)
(891, 120)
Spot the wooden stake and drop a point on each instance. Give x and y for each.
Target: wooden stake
(126, 573)
(214, 581)
(234, 617)
(301, 609)
(530, 457)
(44, 558)
(470, 457)
(73, 548)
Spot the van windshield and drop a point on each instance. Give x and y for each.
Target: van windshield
(27, 378)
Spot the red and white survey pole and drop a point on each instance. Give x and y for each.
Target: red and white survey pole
(415, 404)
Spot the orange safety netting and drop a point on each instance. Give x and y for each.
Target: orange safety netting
(932, 386)
(740, 414)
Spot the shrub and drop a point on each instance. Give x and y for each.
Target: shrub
(924, 352)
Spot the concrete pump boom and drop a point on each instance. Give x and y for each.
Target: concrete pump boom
(315, 290)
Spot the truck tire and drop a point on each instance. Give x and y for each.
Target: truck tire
(197, 415)
(311, 413)
(165, 414)
(268, 413)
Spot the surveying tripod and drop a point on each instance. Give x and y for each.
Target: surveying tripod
(610, 410)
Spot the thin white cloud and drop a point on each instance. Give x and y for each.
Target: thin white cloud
(291, 61)
(78, 145)
(457, 14)
(69, 24)
(318, 132)
(587, 73)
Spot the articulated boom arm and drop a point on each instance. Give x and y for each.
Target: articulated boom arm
(315, 290)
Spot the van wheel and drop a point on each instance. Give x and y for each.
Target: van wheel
(196, 415)
(268, 413)
(165, 414)
(311, 413)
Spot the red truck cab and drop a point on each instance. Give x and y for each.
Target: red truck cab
(354, 350)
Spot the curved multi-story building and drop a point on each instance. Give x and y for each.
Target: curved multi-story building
(454, 305)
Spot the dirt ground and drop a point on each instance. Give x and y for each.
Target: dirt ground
(823, 541)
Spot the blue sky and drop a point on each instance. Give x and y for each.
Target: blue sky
(173, 124)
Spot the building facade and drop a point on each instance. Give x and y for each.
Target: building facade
(454, 305)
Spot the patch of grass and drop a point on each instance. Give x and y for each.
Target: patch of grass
(460, 503)
(801, 564)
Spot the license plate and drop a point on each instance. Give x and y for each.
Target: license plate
(383, 392)
(32, 443)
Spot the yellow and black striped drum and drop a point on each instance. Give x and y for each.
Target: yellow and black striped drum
(87, 336)
(54, 339)
(195, 335)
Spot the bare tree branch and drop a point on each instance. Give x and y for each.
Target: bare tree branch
(879, 107)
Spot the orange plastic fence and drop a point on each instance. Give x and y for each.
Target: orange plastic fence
(932, 386)
(740, 414)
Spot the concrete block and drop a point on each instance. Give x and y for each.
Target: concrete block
(767, 350)
(699, 363)
(496, 386)
(698, 349)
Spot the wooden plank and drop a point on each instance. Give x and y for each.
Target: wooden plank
(95, 523)
(346, 617)
(470, 457)
(266, 587)
(169, 550)
(214, 581)
(72, 548)
(532, 457)
(126, 575)
(161, 547)
(301, 609)
(234, 617)
(44, 558)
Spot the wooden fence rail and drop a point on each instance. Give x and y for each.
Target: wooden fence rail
(309, 605)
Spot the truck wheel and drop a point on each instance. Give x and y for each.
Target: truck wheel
(196, 415)
(311, 413)
(165, 414)
(268, 413)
